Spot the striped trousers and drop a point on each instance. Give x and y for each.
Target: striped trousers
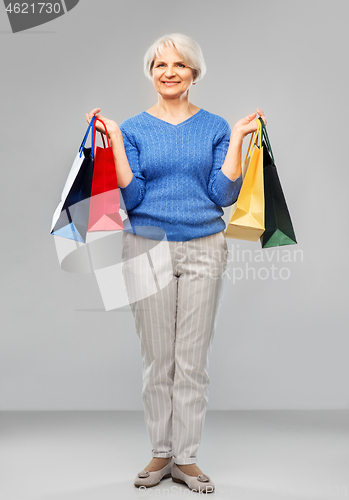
(175, 290)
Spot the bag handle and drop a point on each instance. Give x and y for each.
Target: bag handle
(94, 133)
(265, 135)
(257, 135)
(82, 145)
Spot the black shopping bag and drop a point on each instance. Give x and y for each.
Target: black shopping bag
(70, 219)
(277, 221)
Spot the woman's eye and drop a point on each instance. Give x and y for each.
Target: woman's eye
(182, 65)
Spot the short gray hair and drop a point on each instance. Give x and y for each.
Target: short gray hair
(186, 47)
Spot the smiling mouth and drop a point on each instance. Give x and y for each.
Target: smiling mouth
(170, 83)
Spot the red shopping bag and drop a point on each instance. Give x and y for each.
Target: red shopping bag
(105, 199)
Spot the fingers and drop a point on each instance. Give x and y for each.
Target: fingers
(93, 113)
(262, 115)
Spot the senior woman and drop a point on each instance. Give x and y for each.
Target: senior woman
(177, 166)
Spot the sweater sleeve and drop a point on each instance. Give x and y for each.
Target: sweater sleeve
(222, 190)
(134, 192)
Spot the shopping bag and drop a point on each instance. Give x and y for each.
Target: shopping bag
(105, 200)
(70, 219)
(247, 214)
(278, 226)
(90, 199)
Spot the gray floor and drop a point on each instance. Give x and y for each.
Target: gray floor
(248, 454)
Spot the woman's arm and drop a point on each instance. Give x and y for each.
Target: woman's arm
(123, 169)
(126, 158)
(232, 163)
(221, 189)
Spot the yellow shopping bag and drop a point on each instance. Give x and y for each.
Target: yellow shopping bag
(247, 214)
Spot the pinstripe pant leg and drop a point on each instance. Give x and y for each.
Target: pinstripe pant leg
(155, 317)
(200, 286)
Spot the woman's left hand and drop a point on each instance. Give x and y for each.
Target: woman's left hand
(248, 125)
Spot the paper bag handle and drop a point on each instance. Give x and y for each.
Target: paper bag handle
(265, 135)
(257, 134)
(82, 145)
(93, 135)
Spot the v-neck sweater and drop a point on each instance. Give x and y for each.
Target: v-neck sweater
(177, 184)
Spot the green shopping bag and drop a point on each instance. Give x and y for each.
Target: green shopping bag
(277, 221)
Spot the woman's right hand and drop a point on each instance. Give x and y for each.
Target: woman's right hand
(248, 125)
(112, 127)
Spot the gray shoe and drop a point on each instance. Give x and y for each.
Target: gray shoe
(149, 479)
(200, 483)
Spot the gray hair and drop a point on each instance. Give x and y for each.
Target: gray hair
(186, 47)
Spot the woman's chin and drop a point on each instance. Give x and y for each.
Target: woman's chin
(172, 93)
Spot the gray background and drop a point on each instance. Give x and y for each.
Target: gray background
(280, 344)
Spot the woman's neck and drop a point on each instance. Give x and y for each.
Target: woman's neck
(173, 110)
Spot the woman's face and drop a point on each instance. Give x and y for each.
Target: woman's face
(171, 75)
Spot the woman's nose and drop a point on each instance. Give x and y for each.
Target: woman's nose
(169, 71)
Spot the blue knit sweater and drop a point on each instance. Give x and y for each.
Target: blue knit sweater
(177, 182)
